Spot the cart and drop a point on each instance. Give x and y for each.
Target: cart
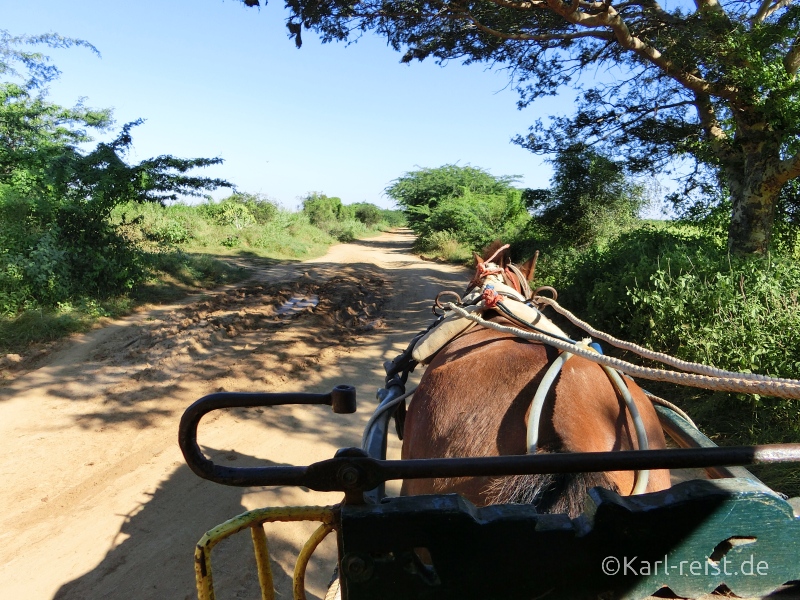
(729, 532)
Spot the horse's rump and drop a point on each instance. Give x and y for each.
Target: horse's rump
(474, 400)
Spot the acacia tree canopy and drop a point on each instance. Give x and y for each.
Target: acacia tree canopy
(714, 81)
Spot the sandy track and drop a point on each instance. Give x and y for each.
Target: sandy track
(97, 502)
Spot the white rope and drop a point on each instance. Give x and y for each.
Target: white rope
(666, 359)
(784, 389)
(658, 400)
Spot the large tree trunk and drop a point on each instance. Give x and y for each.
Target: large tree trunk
(752, 216)
(754, 189)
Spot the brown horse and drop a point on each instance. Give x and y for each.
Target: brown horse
(474, 400)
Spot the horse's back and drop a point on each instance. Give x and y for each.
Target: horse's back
(475, 397)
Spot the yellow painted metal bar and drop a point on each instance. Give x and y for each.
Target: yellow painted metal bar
(262, 562)
(299, 579)
(202, 572)
(202, 554)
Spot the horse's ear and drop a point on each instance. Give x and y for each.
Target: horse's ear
(478, 259)
(529, 268)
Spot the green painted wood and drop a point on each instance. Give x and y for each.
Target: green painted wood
(673, 538)
(686, 436)
(696, 519)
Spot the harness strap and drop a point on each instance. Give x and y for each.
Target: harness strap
(642, 477)
(511, 277)
(537, 405)
(535, 415)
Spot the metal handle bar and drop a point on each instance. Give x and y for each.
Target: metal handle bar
(342, 399)
(352, 470)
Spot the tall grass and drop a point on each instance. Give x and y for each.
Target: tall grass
(211, 229)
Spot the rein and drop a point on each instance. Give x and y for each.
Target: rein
(745, 383)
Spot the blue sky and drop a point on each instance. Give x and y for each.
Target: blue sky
(214, 78)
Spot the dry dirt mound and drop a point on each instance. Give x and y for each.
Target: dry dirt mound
(248, 322)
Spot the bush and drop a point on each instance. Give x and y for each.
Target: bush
(228, 212)
(345, 231)
(170, 232)
(675, 289)
(477, 219)
(368, 214)
(445, 245)
(321, 209)
(259, 206)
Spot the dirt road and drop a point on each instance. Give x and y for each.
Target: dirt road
(96, 500)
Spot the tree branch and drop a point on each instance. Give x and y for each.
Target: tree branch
(520, 5)
(767, 8)
(614, 21)
(631, 121)
(651, 5)
(791, 62)
(545, 37)
(785, 171)
(710, 124)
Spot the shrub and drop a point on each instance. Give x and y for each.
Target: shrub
(322, 209)
(259, 206)
(229, 213)
(368, 214)
(345, 231)
(445, 245)
(675, 289)
(477, 219)
(170, 232)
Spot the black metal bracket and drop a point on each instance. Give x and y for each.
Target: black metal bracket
(342, 399)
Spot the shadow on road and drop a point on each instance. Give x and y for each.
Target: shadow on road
(157, 540)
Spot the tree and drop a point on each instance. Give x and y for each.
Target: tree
(419, 192)
(56, 239)
(714, 81)
(40, 142)
(323, 209)
(37, 68)
(368, 214)
(590, 197)
(473, 205)
(476, 220)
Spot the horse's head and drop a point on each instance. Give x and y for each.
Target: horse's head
(495, 266)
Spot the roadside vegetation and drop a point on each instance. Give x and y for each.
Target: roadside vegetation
(669, 285)
(86, 234)
(151, 252)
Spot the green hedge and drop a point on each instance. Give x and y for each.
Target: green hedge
(675, 289)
